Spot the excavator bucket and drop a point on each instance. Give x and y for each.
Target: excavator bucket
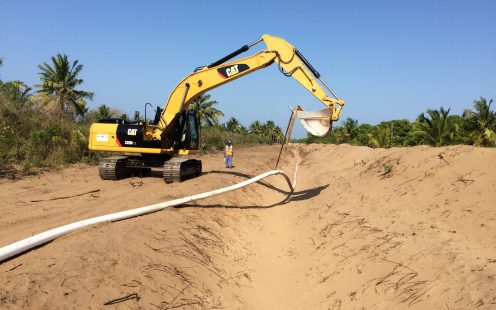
(317, 123)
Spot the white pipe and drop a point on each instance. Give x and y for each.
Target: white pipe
(41, 238)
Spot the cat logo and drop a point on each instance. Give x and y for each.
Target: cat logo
(132, 132)
(232, 71)
(227, 72)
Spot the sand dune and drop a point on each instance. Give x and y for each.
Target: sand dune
(366, 228)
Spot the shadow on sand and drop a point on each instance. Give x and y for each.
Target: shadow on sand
(296, 196)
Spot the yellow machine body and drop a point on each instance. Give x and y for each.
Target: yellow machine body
(103, 137)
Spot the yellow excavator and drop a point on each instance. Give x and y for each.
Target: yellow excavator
(174, 131)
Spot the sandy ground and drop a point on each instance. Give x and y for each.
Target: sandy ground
(367, 228)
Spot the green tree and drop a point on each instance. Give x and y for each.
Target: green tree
(481, 123)
(16, 91)
(350, 130)
(278, 136)
(380, 136)
(104, 111)
(460, 136)
(243, 130)
(402, 129)
(207, 114)
(256, 128)
(233, 125)
(272, 131)
(364, 135)
(436, 129)
(60, 79)
(390, 133)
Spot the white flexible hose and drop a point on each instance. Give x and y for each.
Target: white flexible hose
(39, 239)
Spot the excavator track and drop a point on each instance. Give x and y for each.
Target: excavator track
(174, 170)
(180, 169)
(113, 168)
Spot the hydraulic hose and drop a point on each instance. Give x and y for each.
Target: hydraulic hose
(24, 245)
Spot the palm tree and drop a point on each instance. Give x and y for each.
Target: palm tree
(481, 123)
(256, 128)
(16, 91)
(207, 114)
(104, 112)
(273, 132)
(233, 125)
(60, 80)
(437, 130)
(278, 136)
(350, 127)
(380, 137)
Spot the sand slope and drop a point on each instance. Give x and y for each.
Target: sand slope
(367, 228)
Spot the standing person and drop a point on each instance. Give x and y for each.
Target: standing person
(228, 154)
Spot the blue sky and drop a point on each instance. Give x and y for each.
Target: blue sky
(387, 59)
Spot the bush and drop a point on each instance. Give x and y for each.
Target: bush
(214, 138)
(32, 135)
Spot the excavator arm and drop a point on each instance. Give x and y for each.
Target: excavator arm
(290, 61)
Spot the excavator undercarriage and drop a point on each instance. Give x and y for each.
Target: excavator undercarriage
(173, 169)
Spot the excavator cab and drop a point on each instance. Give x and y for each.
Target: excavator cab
(187, 133)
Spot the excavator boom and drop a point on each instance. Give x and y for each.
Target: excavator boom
(290, 61)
